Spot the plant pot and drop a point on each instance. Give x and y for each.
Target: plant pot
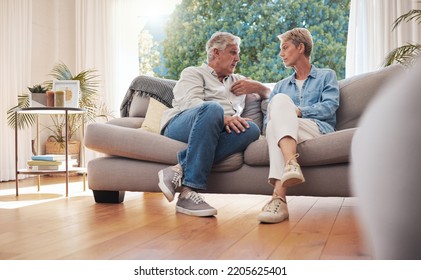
(59, 148)
(38, 100)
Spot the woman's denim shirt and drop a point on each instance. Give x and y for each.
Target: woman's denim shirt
(319, 97)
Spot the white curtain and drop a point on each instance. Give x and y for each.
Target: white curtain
(107, 40)
(15, 76)
(370, 34)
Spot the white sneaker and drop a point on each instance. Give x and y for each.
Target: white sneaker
(275, 211)
(292, 173)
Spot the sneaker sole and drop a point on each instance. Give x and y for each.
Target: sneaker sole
(197, 213)
(292, 182)
(271, 220)
(165, 190)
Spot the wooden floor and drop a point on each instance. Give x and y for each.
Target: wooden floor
(47, 225)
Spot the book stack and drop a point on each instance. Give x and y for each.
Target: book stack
(50, 162)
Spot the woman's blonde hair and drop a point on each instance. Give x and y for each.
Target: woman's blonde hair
(298, 36)
(220, 40)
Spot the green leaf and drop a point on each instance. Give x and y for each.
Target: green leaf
(23, 120)
(405, 55)
(411, 15)
(257, 23)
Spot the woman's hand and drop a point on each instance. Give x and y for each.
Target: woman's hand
(236, 123)
(298, 111)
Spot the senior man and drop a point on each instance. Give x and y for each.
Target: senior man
(206, 114)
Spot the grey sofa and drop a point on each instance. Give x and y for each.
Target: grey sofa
(133, 156)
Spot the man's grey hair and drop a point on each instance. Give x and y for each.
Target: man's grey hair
(220, 40)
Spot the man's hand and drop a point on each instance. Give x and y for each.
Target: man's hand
(248, 86)
(236, 123)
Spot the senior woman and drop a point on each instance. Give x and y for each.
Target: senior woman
(301, 107)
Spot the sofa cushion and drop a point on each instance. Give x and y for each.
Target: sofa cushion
(231, 163)
(356, 92)
(152, 122)
(257, 153)
(330, 148)
(253, 109)
(138, 106)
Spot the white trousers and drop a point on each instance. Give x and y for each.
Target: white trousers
(283, 121)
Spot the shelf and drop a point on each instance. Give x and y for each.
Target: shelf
(71, 170)
(66, 111)
(51, 110)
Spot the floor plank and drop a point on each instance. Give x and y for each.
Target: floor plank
(344, 241)
(260, 242)
(48, 225)
(307, 239)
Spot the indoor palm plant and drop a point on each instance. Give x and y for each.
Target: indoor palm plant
(88, 100)
(405, 54)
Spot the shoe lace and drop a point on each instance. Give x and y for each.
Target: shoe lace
(195, 197)
(177, 177)
(292, 163)
(273, 205)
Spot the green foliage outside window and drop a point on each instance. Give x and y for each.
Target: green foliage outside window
(148, 53)
(257, 23)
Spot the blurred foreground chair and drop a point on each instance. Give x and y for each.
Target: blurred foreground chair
(386, 168)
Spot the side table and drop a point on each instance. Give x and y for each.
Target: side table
(66, 111)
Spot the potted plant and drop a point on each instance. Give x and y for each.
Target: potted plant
(38, 95)
(88, 100)
(56, 139)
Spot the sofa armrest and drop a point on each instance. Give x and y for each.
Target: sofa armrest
(132, 143)
(130, 122)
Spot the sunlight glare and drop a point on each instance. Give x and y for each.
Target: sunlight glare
(156, 8)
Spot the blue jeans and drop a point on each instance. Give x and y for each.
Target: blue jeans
(202, 128)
